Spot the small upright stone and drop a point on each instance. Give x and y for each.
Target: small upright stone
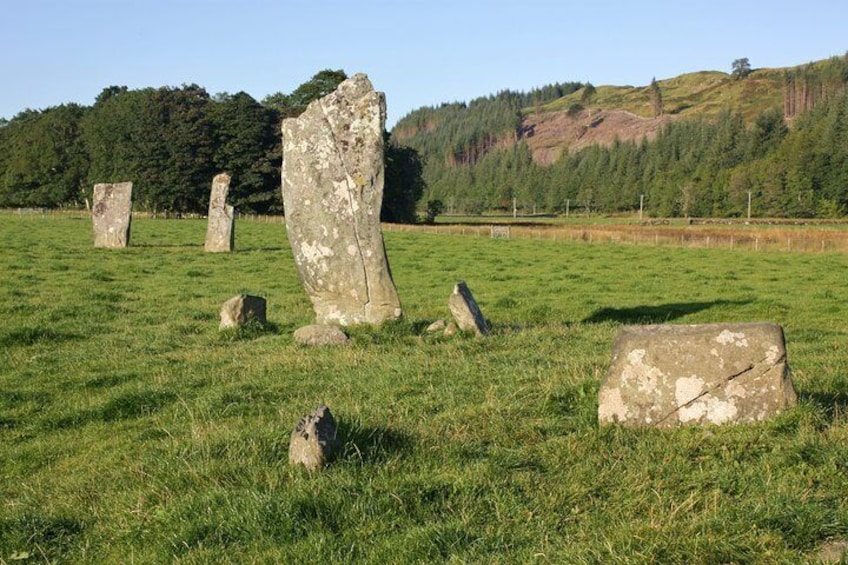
(465, 310)
(221, 219)
(667, 376)
(332, 183)
(317, 335)
(111, 214)
(242, 309)
(314, 440)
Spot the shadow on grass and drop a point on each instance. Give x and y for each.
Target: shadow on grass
(371, 444)
(834, 405)
(251, 330)
(656, 314)
(34, 335)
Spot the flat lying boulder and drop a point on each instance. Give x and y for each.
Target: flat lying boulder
(314, 440)
(317, 335)
(465, 311)
(668, 376)
(241, 310)
(111, 214)
(332, 183)
(220, 232)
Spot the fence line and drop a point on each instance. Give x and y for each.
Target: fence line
(697, 237)
(820, 242)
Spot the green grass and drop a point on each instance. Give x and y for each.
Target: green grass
(131, 430)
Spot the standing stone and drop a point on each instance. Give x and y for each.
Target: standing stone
(332, 184)
(111, 214)
(465, 310)
(220, 228)
(667, 376)
(241, 310)
(314, 440)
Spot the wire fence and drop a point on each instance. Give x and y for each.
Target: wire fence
(800, 239)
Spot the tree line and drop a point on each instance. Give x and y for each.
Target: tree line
(694, 166)
(170, 142)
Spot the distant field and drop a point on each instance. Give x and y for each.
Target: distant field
(760, 234)
(132, 431)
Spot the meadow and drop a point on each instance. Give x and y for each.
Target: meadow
(133, 431)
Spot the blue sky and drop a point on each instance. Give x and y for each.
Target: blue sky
(419, 52)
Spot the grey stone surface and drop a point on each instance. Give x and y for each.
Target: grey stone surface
(437, 326)
(314, 440)
(242, 309)
(673, 375)
(834, 551)
(465, 311)
(220, 228)
(317, 335)
(332, 184)
(451, 329)
(111, 214)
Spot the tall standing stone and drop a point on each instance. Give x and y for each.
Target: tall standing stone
(332, 183)
(219, 230)
(111, 214)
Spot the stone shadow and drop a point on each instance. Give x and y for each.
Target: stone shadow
(833, 404)
(659, 314)
(371, 444)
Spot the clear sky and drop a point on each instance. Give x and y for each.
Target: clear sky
(419, 52)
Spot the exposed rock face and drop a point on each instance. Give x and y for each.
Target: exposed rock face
(667, 376)
(317, 335)
(111, 214)
(242, 309)
(465, 310)
(332, 183)
(220, 228)
(314, 440)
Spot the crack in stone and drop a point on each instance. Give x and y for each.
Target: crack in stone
(724, 382)
(348, 178)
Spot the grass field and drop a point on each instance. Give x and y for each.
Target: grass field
(133, 431)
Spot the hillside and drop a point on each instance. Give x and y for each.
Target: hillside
(571, 122)
(625, 112)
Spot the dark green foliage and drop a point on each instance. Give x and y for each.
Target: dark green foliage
(740, 68)
(694, 167)
(656, 97)
(452, 137)
(292, 105)
(434, 208)
(42, 162)
(404, 183)
(588, 93)
(247, 147)
(169, 141)
(160, 139)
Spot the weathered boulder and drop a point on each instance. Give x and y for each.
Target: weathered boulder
(465, 310)
(314, 440)
(437, 326)
(111, 214)
(242, 309)
(667, 376)
(317, 335)
(332, 184)
(220, 232)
